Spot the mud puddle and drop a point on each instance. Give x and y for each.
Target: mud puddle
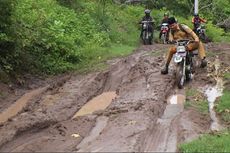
(20, 104)
(100, 102)
(212, 93)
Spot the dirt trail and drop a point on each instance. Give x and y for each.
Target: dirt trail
(139, 118)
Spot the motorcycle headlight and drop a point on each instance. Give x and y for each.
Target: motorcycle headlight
(181, 49)
(202, 30)
(144, 26)
(177, 58)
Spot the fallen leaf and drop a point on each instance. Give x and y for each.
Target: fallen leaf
(75, 135)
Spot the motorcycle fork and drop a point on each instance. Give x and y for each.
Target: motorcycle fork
(183, 68)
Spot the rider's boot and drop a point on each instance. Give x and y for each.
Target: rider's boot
(203, 63)
(165, 69)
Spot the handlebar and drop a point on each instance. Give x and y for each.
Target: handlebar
(185, 41)
(147, 21)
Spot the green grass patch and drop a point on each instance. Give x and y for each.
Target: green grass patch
(201, 106)
(97, 57)
(223, 106)
(196, 100)
(119, 50)
(208, 143)
(191, 92)
(227, 76)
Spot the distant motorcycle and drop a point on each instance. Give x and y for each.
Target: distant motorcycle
(147, 35)
(184, 62)
(164, 32)
(201, 32)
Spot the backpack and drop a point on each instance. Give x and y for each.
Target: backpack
(181, 28)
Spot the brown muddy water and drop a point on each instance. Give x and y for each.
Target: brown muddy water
(100, 102)
(20, 104)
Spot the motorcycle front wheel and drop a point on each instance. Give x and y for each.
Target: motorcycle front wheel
(163, 38)
(179, 76)
(145, 41)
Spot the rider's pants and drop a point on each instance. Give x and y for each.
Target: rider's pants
(191, 47)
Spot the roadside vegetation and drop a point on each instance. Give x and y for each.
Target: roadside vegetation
(50, 37)
(217, 141)
(213, 142)
(55, 36)
(223, 104)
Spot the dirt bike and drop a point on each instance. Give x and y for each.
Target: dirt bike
(164, 32)
(147, 35)
(184, 62)
(201, 32)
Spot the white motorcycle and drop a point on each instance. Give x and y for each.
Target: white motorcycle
(184, 62)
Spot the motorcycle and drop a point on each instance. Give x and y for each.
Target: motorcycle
(184, 62)
(164, 32)
(147, 35)
(201, 33)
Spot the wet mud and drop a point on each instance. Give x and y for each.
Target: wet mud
(128, 107)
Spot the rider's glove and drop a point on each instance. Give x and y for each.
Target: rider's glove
(187, 48)
(171, 41)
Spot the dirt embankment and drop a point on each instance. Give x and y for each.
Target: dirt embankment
(138, 119)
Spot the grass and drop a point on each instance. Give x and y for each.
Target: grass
(119, 50)
(218, 142)
(191, 92)
(223, 106)
(227, 76)
(201, 106)
(98, 57)
(197, 101)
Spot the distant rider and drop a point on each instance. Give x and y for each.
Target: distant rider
(164, 20)
(147, 17)
(181, 31)
(196, 20)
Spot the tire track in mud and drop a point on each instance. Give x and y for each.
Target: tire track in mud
(141, 101)
(130, 120)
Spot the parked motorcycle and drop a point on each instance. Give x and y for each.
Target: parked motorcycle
(164, 32)
(147, 35)
(184, 62)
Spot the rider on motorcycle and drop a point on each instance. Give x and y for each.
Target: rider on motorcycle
(164, 20)
(181, 31)
(147, 17)
(196, 20)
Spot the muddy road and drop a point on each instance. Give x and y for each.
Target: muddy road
(128, 107)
